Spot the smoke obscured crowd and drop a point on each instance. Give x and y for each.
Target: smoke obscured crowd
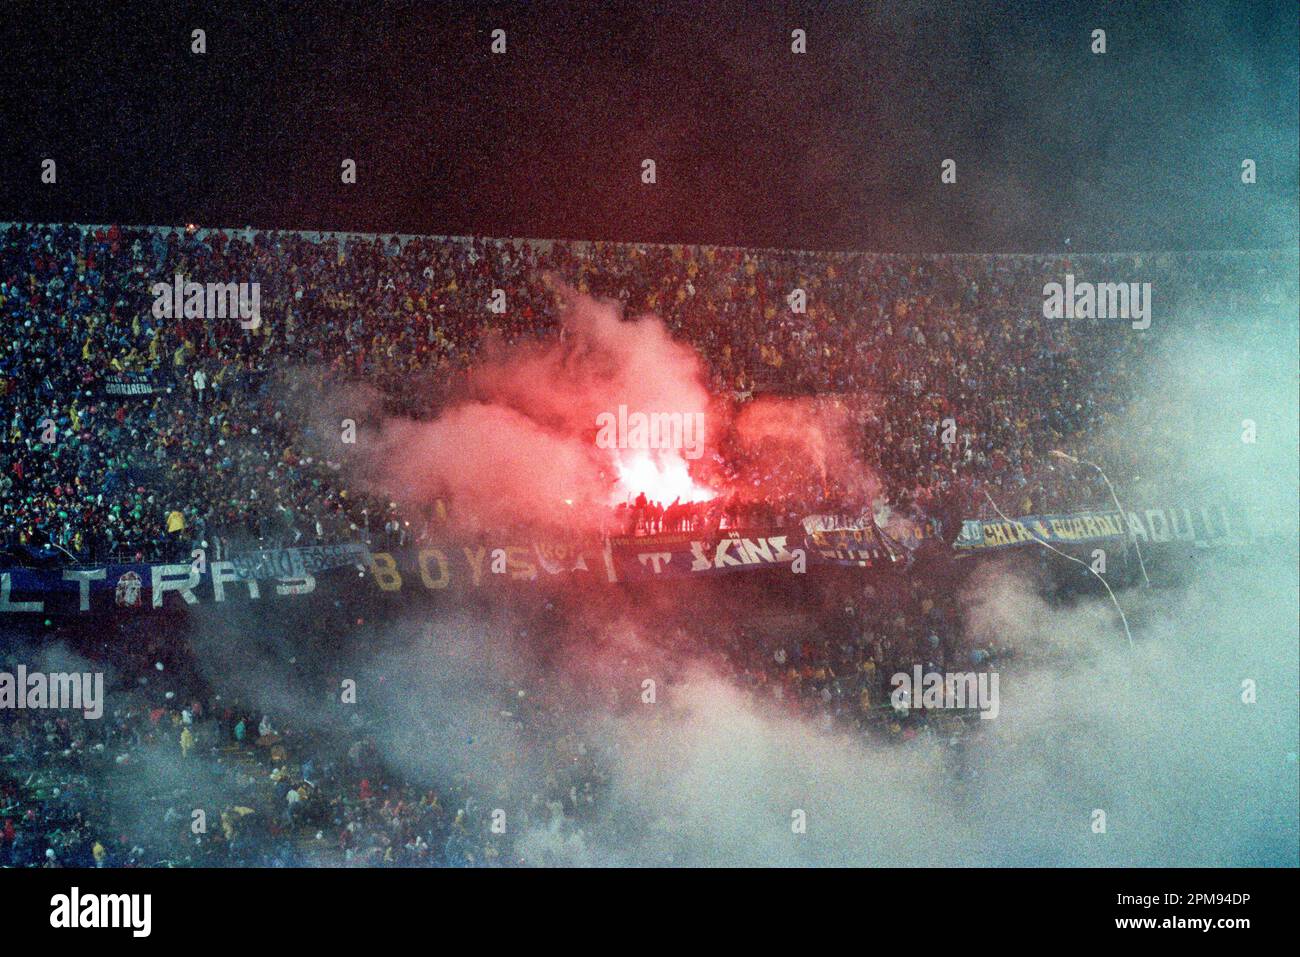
(178, 773)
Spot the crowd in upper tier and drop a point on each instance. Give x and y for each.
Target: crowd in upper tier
(129, 436)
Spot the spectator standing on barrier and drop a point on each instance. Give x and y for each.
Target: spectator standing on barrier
(175, 534)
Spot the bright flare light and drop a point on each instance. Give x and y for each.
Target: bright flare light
(662, 476)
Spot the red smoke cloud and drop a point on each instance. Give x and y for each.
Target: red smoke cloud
(784, 444)
(519, 446)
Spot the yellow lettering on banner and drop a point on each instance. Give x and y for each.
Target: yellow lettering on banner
(475, 560)
(444, 574)
(384, 569)
(521, 569)
(1090, 527)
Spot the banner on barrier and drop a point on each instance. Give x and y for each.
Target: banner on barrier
(822, 540)
(297, 562)
(1208, 525)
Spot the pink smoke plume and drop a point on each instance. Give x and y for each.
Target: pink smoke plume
(520, 445)
(779, 445)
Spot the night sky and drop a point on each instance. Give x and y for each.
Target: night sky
(1140, 148)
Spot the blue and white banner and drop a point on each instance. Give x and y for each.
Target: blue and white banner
(43, 589)
(297, 562)
(1209, 525)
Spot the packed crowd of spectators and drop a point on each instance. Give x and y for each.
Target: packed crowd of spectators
(125, 435)
(206, 445)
